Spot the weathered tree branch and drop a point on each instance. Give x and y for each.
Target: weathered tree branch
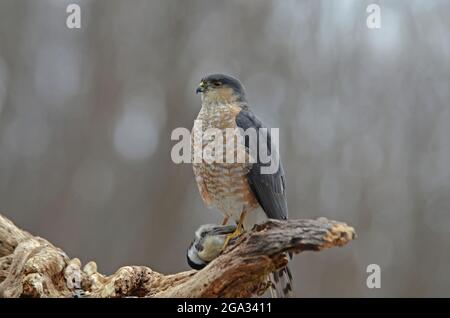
(32, 267)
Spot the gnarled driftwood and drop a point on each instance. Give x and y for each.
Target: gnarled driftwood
(31, 266)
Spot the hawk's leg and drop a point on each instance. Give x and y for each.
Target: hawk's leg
(225, 220)
(239, 230)
(240, 225)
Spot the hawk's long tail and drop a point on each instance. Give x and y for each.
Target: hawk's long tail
(281, 283)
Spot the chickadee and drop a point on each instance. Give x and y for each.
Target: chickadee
(208, 244)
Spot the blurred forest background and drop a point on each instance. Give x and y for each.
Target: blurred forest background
(364, 116)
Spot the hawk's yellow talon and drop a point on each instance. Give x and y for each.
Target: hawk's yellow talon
(239, 230)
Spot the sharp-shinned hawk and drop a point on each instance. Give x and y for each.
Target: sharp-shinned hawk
(238, 189)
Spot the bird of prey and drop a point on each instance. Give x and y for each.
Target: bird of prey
(239, 190)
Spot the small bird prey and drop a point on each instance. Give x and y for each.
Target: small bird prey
(239, 190)
(208, 244)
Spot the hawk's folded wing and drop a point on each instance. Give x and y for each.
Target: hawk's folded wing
(269, 189)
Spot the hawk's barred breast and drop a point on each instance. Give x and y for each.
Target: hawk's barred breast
(224, 185)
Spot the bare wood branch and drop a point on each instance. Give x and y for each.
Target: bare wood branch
(32, 267)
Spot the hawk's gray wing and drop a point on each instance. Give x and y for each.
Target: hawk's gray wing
(269, 189)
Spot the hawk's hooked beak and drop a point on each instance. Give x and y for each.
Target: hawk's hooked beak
(201, 87)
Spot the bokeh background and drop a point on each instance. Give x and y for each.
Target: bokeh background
(364, 116)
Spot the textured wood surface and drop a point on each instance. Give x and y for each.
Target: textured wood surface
(32, 267)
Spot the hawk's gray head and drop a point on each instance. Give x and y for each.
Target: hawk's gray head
(220, 89)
